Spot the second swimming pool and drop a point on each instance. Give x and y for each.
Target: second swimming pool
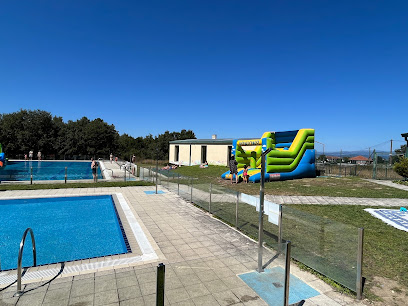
(46, 170)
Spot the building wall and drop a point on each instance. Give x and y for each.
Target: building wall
(216, 154)
(172, 150)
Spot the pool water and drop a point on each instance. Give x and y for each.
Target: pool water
(65, 229)
(46, 170)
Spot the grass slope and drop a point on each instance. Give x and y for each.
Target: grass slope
(321, 186)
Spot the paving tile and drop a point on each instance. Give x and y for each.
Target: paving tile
(197, 290)
(105, 285)
(233, 282)
(207, 275)
(53, 286)
(60, 303)
(82, 289)
(190, 279)
(106, 297)
(177, 295)
(173, 283)
(216, 286)
(245, 294)
(185, 303)
(207, 300)
(148, 288)
(83, 300)
(35, 299)
(56, 295)
(151, 300)
(226, 298)
(128, 293)
(133, 302)
(126, 281)
(122, 274)
(146, 277)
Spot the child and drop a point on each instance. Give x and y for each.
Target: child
(245, 174)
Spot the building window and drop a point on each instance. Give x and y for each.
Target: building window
(203, 154)
(176, 153)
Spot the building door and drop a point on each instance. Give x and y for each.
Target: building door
(229, 153)
(176, 153)
(203, 154)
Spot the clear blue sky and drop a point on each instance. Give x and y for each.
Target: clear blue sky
(232, 68)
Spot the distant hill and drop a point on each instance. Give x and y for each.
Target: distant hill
(354, 153)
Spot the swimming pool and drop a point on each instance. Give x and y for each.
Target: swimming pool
(65, 229)
(46, 170)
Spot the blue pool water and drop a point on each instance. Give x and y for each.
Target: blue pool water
(65, 229)
(46, 170)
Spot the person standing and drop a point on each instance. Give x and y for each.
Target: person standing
(30, 154)
(94, 167)
(111, 157)
(132, 165)
(233, 168)
(39, 155)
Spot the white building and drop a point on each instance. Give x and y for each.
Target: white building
(191, 152)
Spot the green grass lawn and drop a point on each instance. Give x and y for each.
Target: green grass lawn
(321, 186)
(385, 247)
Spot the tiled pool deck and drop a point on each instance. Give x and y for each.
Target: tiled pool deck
(202, 255)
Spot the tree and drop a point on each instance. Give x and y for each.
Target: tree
(401, 167)
(38, 130)
(401, 150)
(27, 130)
(322, 158)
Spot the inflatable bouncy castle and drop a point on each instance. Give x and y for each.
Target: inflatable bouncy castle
(292, 156)
(2, 158)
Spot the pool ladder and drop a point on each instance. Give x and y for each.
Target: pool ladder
(20, 259)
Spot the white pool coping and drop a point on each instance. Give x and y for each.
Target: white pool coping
(148, 252)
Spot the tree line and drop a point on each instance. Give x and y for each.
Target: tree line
(38, 130)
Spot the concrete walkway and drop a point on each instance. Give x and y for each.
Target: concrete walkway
(386, 202)
(203, 257)
(389, 184)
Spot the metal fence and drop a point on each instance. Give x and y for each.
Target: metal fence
(379, 172)
(329, 247)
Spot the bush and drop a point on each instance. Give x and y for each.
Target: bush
(401, 167)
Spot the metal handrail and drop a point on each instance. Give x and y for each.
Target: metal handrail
(20, 258)
(108, 169)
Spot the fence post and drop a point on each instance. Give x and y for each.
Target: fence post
(375, 165)
(65, 175)
(209, 204)
(191, 191)
(359, 282)
(31, 176)
(124, 177)
(161, 272)
(236, 211)
(287, 273)
(261, 211)
(178, 184)
(157, 170)
(280, 225)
